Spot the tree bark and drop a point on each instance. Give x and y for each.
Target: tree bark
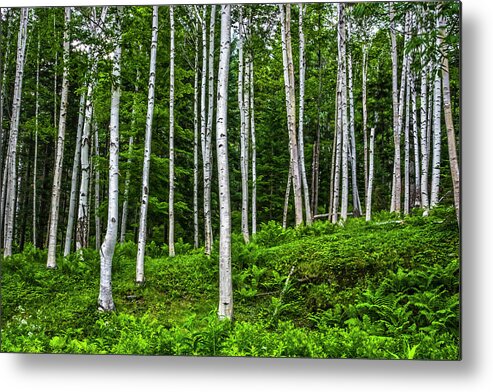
(11, 175)
(449, 124)
(365, 118)
(196, 149)
(75, 174)
(171, 207)
(370, 174)
(147, 152)
(291, 109)
(423, 129)
(97, 186)
(225, 309)
(243, 129)
(301, 142)
(417, 173)
(57, 175)
(406, 151)
(254, 151)
(123, 228)
(354, 178)
(437, 135)
(105, 300)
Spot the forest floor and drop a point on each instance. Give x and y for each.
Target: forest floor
(382, 289)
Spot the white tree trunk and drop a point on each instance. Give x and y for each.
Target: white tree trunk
(396, 176)
(370, 174)
(345, 131)
(123, 228)
(203, 139)
(254, 151)
(417, 171)
(365, 118)
(406, 150)
(338, 151)
(423, 129)
(225, 309)
(97, 181)
(242, 99)
(354, 178)
(75, 174)
(301, 142)
(437, 135)
(105, 300)
(171, 207)
(11, 175)
(196, 150)
(82, 234)
(291, 109)
(57, 174)
(286, 198)
(147, 152)
(447, 110)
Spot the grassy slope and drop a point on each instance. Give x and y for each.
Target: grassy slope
(383, 289)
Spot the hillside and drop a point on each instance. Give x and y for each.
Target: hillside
(382, 289)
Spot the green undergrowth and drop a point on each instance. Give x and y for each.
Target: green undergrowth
(382, 289)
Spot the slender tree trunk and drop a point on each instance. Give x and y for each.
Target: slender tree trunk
(286, 198)
(354, 178)
(171, 213)
(82, 233)
(36, 128)
(437, 136)
(406, 151)
(196, 150)
(243, 129)
(301, 142)
(396, 177)
(97, 181)
(123, 228)
(11, 175)
(365, 119)
(417, 175)
(424, 126)
(345, 130)
(370, 174)
(105, 300)
(75, 174)
(291, 109)
(225, 309)
(147, 151)
(254, 151)
(316, 145)
(57, 174)
(203, 137)
(449, 124)
(338, 152)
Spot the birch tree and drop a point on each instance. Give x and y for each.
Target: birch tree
(97, 181)
(196, 149)
(243, 129)
(75, 174)
(289, 87)
(370, 174)
(147, 152)
(396, 177)
(301, 142)
(82, 233)
(105, 300)
(437, 136)
(449, 124)
(171, 214)
(343, 109)
(57, 174)
(423, 127)
(225, 308)
(254, 150)
(11, 162)
(123, 227)
(417, 166)
(354, 179)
